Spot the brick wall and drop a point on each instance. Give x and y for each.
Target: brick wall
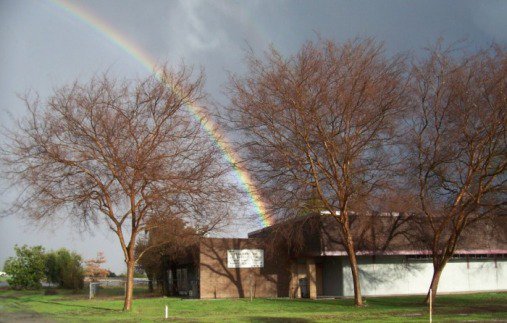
(219, 281)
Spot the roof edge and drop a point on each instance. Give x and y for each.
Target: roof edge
(413, 252)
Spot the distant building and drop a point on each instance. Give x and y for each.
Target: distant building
(392, 261)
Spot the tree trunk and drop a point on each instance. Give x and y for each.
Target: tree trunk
(129, 288)
(358, 299)
(437, 272)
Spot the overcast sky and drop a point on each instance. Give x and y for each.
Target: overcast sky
(43, 47)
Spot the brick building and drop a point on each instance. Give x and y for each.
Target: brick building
(309, 261)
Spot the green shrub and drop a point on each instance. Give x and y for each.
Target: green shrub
(64, 269)
(26, 269)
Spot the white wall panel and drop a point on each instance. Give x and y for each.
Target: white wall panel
(394, 275)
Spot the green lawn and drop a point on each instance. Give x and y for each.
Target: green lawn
(34, 305)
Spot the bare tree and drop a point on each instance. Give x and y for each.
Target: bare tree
(318, 126)
(121, 151)
(93, 267)
(457, 145)
(169, 237)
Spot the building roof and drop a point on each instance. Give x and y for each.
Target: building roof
(402, 234)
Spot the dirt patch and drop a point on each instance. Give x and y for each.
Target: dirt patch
(22, 317)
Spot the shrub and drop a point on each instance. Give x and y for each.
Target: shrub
(26, 269)
(64, 268)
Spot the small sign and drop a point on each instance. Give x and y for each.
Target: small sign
(245, 258)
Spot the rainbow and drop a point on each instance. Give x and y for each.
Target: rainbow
(150, 64)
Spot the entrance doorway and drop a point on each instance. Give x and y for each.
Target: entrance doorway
(303, 286)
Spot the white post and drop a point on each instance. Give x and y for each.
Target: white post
(93, 289)
(431, 306)
(166, 312)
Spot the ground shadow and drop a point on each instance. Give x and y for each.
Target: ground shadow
(76, 305)
(278, 319)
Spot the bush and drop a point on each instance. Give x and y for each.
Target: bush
(140, 275)
(26, 269)
(64, 268)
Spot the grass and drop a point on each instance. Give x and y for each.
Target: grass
(66, 306)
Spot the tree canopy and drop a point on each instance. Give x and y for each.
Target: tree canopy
(120, 152)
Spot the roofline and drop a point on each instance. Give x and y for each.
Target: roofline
(321, 213)
(222, 238)
(413, 252)
(278, 223)
(256, 231)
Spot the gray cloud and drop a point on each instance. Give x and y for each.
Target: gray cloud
(43, 47)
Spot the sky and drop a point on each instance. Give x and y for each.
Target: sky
(44, 47)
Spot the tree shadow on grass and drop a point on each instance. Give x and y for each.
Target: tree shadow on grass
(77, 305)
(263, 319)
(396, 302)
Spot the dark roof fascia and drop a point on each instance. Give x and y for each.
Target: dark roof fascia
(409, 252)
